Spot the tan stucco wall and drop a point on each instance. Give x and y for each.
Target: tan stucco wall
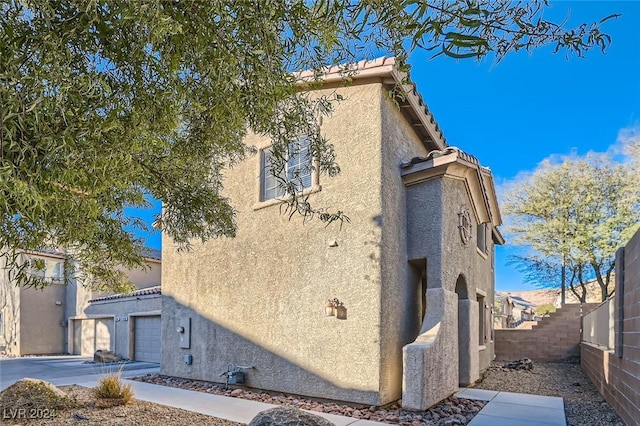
(399, 144)
(459, 258)
(432, 211)
(258, 299)
(148, 276)
(42, 321)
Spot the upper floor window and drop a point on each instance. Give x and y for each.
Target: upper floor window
(298, 169)
(482, 237)
(47, 269)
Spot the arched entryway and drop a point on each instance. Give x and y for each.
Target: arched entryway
(465, 331)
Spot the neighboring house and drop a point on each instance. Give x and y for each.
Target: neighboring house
(413, 270)
(522, 309)
(513, 310)
(65, 317)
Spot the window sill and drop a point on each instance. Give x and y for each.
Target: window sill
(482, 347)
(481, 253)
(277, 201)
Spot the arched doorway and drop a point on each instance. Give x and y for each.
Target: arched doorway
(418, 301)
(464, 328)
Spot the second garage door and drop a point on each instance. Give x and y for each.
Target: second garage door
(147, 338)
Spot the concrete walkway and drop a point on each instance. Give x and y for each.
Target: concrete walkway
(224, 407)
(516, 409)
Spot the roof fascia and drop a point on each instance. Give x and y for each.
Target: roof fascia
(385, 69)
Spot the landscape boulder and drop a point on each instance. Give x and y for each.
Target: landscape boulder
(521, 364)
(283, 416)
(30, 394)
(106, 356)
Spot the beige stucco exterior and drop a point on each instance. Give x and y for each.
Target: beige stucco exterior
(460, 274)
(257, 300)
(33, 321)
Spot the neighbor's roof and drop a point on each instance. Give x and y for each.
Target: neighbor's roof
(150, 253)
(141, 292)
(411, 104)
(48, 252)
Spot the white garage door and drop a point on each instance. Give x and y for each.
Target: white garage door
(147, 338)
(90, 335)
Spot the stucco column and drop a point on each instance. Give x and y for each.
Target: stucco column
(430, 370)
(468, 335)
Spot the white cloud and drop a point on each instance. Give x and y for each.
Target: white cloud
(628, 143)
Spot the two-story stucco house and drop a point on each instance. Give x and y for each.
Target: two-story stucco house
(413, 270)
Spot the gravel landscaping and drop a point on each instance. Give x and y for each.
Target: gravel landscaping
(88, 411)
(584, 406)
(451, 411)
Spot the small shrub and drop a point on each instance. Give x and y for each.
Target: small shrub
(112, 388)
(546, 309)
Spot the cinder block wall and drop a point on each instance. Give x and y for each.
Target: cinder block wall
(618, 378)
(553, 339)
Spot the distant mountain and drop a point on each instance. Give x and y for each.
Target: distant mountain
(552, 296)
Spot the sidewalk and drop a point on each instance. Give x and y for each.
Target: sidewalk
(516, 409)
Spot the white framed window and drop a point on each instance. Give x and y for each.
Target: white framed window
(298, 170)
(47, 269)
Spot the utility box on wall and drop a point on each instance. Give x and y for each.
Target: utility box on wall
(184, 331)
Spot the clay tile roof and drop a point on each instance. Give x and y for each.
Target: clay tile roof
(150, 253)
(386, 68)
(442, 152)
(141, 292)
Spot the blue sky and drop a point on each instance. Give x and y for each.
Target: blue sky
(529, 107)
(514, 114)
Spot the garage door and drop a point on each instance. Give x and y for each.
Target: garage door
(147, 338)
(90, 335)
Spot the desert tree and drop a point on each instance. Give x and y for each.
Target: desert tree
(570, 217)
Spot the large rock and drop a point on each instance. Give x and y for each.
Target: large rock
(106, 356)
(521, 364)
(33, 394)
(283, 416)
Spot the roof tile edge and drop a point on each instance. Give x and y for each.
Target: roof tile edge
(380, 67)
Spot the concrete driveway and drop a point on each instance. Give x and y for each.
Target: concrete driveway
(67, 370)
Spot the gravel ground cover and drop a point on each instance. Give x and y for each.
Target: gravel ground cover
(584, 406)
(88, 413)
(451, 411)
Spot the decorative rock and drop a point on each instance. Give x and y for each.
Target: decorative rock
(106, 356)
(456, 407)
(236, 392)
(282, 416)
(521, 364)
(32, 394)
